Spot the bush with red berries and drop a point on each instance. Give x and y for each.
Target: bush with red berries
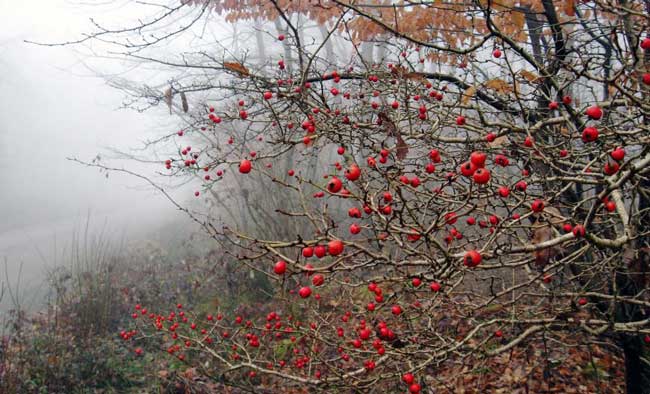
(466, 194)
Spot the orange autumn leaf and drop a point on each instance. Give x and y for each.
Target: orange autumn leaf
(530, 76)
(237, 67)
(569, 7)
(468, 94)
(499, 85)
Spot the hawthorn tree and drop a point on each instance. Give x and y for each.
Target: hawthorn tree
(419, 183)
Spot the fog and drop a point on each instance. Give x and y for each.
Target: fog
(54, 107)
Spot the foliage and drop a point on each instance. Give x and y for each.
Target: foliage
(74, 345)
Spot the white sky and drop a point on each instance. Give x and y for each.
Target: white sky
(51, 108)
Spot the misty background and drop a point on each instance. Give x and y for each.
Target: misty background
(53, 106)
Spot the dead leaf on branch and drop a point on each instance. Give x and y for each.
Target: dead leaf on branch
(392, 131)
(402, 149)
(499, 141)
(499, 85)
(569, 7)
(168, 98)
(237, 67)
(468, 94)
(186, 107)
(530, 76)
(518, 19)
(402, 72)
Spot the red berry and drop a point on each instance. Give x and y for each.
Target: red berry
(245, 166)
(537, 206)
(478, 159)
(472, 258)
(481, 176)
(307, 251)
(521, 186)
(618, 154)
(335, 247)
(594, 112)
(334, 185)
(280, 267)
(611, 168)
(435, 287)
(645, 44)
(354, 213)
(320, 251)
(304, 292)
(415, 388)
(589, 134)
(528, 142)
(318, 280)
(468, 169)
(496, 53)
(579, 231)
(353, 173)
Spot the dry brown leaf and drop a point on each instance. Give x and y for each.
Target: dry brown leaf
(402, 148)
(184, 102)
(518, 19)
(499, 85)
(237, 67)
(168, 98)
(416, 77)
(190, 373)
(392, 131)
(468, 94)
(530, 76)
(569, 7)
(500, 141)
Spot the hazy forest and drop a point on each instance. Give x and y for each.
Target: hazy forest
(325, 196)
